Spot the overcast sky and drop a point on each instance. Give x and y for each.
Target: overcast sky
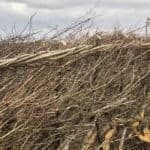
(124, 13)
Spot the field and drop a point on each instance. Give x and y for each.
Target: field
(88, 94)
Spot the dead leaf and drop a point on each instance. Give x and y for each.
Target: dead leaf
(108, 136)
(142, 113)
(90, 139)
(135, 124)
(146, 136)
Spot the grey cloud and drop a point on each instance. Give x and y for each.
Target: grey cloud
(42, 19)
(60, 4)
(51, 4)
(126, 4)
(63, 12)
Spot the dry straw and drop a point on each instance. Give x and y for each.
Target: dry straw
(80, 96)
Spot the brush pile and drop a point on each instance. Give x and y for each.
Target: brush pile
(79, 96)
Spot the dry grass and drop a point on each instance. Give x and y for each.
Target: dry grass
(80, 96)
